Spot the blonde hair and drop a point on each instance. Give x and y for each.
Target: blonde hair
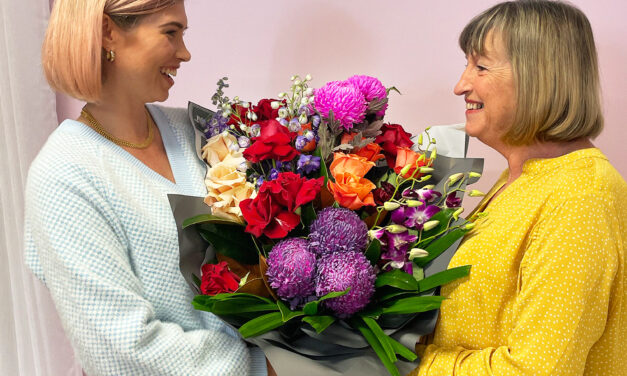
(72, 52)
(551, 48)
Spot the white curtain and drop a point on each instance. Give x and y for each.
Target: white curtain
(32, 341)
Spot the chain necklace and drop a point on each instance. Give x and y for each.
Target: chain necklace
(95, 125)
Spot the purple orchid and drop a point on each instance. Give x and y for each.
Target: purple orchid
(395, 249)
(452, 201)
(414, 217)
(424, 195)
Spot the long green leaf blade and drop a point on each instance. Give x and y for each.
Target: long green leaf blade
(373, 252)
(414, 305)
(398, 279)
(208, 218)
(443, 277)
(402, 350)
(319, 323)
(382, 337)
(376, 346)
(439, 246)
(261, 325)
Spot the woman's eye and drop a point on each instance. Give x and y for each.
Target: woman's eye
(171, 32)
(481, 68)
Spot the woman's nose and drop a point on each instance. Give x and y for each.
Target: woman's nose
(463, 85)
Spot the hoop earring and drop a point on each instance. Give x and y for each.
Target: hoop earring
(111, 56)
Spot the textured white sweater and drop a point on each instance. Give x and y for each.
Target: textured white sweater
(100, 234)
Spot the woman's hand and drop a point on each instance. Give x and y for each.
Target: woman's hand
(271, 371)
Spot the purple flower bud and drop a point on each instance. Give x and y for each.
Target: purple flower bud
(274, 173)
(309, 135)
(300, 143)
(243, 141)
(294, 125)
(308, 163)
(259, 182)
(282, 121)
(255, 130)
(452, 201)
(315, 121)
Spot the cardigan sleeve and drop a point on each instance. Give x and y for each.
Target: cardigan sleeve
(565, 282)
(80, 248)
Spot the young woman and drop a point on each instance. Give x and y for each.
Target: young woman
(99, 231)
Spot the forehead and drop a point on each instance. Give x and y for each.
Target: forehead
(493, 47)
(175, 13)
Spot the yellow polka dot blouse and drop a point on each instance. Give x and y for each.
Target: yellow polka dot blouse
(546, 293)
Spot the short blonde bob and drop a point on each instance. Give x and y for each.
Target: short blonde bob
(554, 59)
(72, 52)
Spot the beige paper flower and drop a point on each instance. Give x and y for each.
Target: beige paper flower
(219, 147)
(227, 187)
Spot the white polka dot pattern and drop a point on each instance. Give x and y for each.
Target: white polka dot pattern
(546, 294)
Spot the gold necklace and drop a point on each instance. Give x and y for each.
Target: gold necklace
(95, 125)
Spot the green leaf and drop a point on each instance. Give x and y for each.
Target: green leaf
(395, 294)
(398, 279)
(323, 166)
(208, 218)
(439, 246)
(261, 324)
(230, 241)
(229, 307)
(382, 337)
(376, 346)
(414, 305)
(443, 277)
(231, 304)
(390, 89)
(311, 308)
(308, 214)
(402, 350)
(373, 252)
(286, 313)
(196, 280)
(319, 323)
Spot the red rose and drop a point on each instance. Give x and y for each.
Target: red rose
(217, 278)
(264, 110)
(393, 136)
(271, 213)
(274, 142)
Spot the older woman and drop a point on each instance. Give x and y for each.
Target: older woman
(99, 230)
(546, 294)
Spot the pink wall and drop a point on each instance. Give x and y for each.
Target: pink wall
(409, 44)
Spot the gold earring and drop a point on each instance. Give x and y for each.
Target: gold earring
(111, 56)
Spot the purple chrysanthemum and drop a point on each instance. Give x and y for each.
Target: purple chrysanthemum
(344, 99)
(371, 88)
(292, 270)
(337, 272)
(337, 230)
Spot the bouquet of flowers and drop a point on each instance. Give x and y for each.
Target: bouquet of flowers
(324, 218)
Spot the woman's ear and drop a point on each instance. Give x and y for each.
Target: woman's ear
(108, 33)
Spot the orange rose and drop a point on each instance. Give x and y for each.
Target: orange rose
(311, 145)
(406, 156)
(370, 152)
(349, 163)
(352, 192)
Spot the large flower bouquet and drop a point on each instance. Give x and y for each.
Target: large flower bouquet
(323, 217)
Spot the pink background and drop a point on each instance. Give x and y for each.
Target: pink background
(409, 44)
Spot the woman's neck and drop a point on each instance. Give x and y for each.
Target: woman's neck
(121, 118)
(517, 155)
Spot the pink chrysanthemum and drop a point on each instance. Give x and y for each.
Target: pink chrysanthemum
(344, 99)
(371, 88)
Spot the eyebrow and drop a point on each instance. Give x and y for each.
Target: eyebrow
(174, 23)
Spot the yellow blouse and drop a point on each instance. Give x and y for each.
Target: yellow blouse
(546, 293)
